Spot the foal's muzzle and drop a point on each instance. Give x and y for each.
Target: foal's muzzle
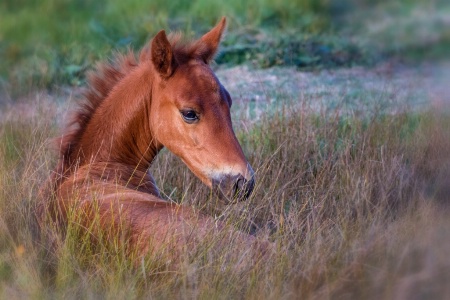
(233, 188)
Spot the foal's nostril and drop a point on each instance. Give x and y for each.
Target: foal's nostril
(243, 188)
(248, 187)
(240, 182)
(233, 188)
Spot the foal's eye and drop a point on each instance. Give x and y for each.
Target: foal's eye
(189, 116)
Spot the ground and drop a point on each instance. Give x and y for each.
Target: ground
(256, 91)
(421, 86)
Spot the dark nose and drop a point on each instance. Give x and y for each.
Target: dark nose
(233, 188)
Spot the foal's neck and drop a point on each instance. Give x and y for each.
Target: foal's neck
(119, 132)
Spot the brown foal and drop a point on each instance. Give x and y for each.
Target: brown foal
(168, 97)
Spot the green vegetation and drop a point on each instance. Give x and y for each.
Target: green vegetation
(47, 43)
(54, 42)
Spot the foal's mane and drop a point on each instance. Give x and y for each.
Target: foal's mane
(103, 79)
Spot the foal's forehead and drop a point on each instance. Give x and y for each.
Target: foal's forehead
(197, 85)
(200, 77)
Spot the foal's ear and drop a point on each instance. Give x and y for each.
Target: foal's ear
(211, 40)
(162, 54)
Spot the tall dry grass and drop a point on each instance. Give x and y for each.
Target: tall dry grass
(355, 206)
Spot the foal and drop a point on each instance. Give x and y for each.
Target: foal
(169, 97)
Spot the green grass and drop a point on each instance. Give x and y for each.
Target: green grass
(355, 207)
(48, 43)
(411, 31)
(52, 42)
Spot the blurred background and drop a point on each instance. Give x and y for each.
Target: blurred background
(48, 43)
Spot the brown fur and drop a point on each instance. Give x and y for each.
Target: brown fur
(132, 108)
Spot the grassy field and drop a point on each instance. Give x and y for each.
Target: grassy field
(355, 207)
(355, 199)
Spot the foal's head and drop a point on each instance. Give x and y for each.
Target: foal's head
(190, 113)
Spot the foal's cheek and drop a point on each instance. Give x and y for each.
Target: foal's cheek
(195, 140)
(163, 123)
(172, 134)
